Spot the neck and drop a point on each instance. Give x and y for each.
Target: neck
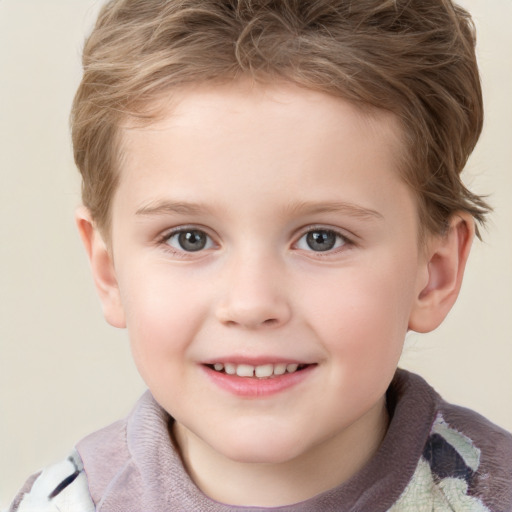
(322, 468)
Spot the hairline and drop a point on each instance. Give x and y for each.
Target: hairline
(164, 101)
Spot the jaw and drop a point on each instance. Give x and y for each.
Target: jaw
(273, 468)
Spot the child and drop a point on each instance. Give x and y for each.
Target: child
(271, 201)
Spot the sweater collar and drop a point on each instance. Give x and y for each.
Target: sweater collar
(145, 472)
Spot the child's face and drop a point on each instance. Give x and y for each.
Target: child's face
(265, 227)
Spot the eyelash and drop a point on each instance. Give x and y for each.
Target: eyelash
(345, 241)
(182, 253)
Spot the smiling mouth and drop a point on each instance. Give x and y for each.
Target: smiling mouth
(264, 371)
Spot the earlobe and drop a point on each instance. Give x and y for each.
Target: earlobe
(444, 265)
(102, 267)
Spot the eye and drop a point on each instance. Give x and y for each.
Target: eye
(321, 240)
(189, 240)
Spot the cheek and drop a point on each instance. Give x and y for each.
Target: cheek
(162, 319)
(362, 316)
(362, 323)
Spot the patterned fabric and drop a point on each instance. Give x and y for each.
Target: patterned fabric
(59, 488)
(443, 475)
(440, 482)
(435, 458)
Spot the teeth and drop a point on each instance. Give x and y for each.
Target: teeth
(230, 369)
(245, 370)
(263, 371)
(279, 369)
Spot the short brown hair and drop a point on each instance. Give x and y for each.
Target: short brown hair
(415, 58)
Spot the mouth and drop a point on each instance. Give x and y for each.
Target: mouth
(264, 371)
(257, 381)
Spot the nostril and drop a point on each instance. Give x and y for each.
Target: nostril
(270, 322)
(253, 314)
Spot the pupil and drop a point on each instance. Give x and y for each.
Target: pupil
(192, 240)
(321, 240)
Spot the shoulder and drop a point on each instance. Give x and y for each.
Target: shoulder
(61, 487)
(465, 462)
(104, 454)
(485, 449)
(76, 483)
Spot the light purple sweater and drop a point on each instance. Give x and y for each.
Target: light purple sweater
(435, 457)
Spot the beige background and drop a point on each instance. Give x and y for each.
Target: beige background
(63, 371)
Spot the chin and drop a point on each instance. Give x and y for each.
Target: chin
(261, 451)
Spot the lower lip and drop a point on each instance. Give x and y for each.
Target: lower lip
(252, 387)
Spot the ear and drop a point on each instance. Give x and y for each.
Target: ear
(445, 260)
(102, 267)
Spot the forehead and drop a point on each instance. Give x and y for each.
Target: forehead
(258, 139)
(199, 104)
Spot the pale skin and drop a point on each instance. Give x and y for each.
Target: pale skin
(253, 174)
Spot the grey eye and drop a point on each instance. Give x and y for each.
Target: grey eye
(190, 240)
(320, 240)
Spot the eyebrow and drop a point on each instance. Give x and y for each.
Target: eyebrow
(343, 207)
(170, 207)
(165, 207)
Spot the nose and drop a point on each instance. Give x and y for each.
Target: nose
(255, 294)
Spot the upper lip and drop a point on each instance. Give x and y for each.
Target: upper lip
(255, 361)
